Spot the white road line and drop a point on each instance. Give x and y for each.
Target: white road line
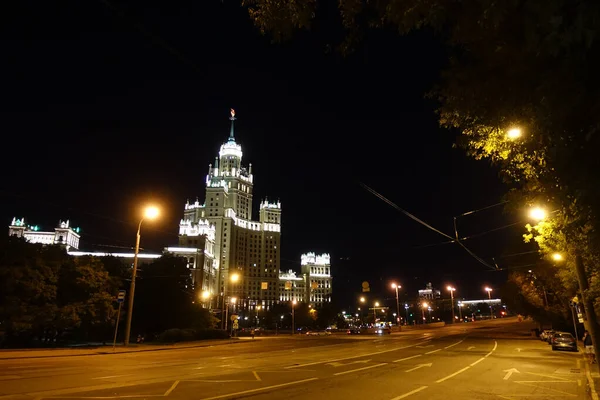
(477, 362)
(460, 371)
(410, 393)
(452, 375)
(262, 389)
(256, 376)
(408, 358)
(433, 351)
(452, 345)
(112, 376)
(173, 386)
(350, 358)
(359, 369)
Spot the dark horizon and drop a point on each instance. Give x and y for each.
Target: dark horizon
(103, 118)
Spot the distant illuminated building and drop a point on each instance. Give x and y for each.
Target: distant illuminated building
(429, 292)
(63, 234)
(317, 269)
(313, 285)
(249, 248)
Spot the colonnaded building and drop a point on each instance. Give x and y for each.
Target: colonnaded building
(230, 255)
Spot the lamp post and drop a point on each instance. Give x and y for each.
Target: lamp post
(406, 309)
(205, 297)
(375, 313)
(489, 292)
(394, 286)
(460, 311)
(423, 307)
(451, 289)
(149, 213)
(293, 322)
(233, 278)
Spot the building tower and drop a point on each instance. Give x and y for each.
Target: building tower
(250, 249)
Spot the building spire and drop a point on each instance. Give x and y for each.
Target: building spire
(232, 118)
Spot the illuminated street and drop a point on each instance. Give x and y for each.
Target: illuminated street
(483, 360)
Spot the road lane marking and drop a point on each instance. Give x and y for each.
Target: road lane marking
(452, 345)
(410, 393)
(433, 351)
(173, 386)
(509, 372)
(460, 371)
(256, 376)
(349, 358)
(470, 347)
(408, 358)
(112, 376)
(477, 362)
(419, 366)
(452, 375)
(359, 369)
(262, 389)
(9, 377)
(424, 347)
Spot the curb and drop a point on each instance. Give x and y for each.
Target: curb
(591, 384)
(109, 353)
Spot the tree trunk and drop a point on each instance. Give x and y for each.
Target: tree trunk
(591, 321)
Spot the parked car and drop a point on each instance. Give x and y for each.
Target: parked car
(563, 340)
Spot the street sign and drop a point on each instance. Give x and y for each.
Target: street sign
(365, 287)
(235, 324)
(234, 317)
(121, 296)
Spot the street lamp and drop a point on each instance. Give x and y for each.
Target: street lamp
(406, 309)
(149, 213)
(394, 286)
(205, 296)
(537, 214)
(423, 307)
(460, 311)
(233, 278)
(375, 313)
(293, 327)
(489, 292)
(557, 257)
(451, 289)
(514, 133)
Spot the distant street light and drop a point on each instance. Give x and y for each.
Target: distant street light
(557, 257)
(423, 307)
(489, 292)
(451, 289)
(293, 322)
(233, 278)
(394, 286)
(149, 213)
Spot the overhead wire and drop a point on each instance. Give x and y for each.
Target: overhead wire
(414, 218)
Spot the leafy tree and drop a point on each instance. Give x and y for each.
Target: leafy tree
(164, 297)
(530, 65)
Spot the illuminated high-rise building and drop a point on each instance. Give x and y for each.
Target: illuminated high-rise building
(251, 249)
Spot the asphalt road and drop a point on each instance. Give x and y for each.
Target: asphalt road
(484, 360)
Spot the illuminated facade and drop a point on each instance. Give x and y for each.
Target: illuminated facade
(429, 292)
(251, 249)
(63, 234)
(317, 270)
(292, 287)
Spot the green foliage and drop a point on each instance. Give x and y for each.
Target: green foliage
(514, 63)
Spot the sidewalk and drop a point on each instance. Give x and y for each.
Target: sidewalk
(593, 378)
(108, 350)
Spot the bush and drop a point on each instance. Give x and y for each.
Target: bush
(185, 335)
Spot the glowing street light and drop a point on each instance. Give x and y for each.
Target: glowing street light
(557, 257)
(150, 213)
(293, 327)
(423, 307)
(233, 278)
(514, 133)
(451, 289)
(489, 292)
(394, 286)
(538, 214)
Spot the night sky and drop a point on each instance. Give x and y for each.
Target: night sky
(105, 109)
